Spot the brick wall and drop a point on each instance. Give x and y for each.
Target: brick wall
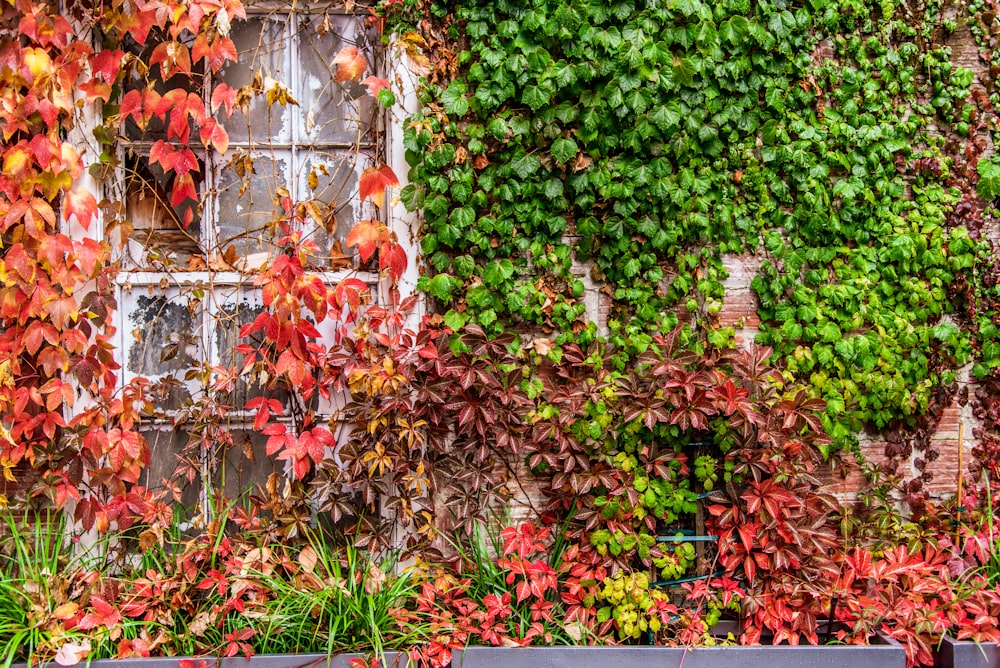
(740, 312)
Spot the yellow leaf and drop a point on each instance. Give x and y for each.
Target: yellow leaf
(37, 60)
(15, 161)
(7, 465)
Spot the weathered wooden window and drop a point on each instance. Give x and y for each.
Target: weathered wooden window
(306, 137)
(187, 282)
(300, 136)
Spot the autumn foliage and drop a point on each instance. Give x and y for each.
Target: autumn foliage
(64, 414)
(438, 421)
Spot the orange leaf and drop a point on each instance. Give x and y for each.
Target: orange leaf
(217, 52)
(213, 133)
(367, 235)
(223, 96)
(350, 64)
(172, 57)
(375, 181)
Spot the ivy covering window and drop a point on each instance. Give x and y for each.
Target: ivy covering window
(297, 142)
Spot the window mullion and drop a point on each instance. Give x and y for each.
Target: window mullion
(291, 53)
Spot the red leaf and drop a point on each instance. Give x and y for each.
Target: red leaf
(183, 189)
(223, 96)
(395, 261)
(375, 84)
(350, 292)
(375, 181)
(140, 23)
(350, 64)
(107, 63)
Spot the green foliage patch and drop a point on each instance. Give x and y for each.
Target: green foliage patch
(653, 139)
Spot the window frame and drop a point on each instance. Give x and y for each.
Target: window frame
(151, 280)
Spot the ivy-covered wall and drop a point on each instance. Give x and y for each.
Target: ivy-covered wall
(839, 153)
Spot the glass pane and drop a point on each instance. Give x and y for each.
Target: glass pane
(263, 61)
(166, 454)
(245, 466)
(332, 112)
(330, 180)
(162, 340)
(247, 207)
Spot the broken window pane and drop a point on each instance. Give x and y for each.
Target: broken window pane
(333, 112)
(157, 235)
(264, 62)
(247, 207)
(162, 341)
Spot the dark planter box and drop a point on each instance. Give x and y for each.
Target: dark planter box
(760, 656)
(887, 655)
(966, 654)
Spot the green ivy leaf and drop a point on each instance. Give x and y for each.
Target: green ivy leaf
(989, 179)
(412, 197)
(464, 265)
(666, 116)
(496, 273)
(535, 97)
(454, 320)
(440, 287)
(684, 71)
(564, 149)
(525, 166)
(734, 29)
(775, 98)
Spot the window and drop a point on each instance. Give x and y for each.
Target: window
(312, 152)
(299, 138)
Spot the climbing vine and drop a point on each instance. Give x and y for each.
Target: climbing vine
(632, 148)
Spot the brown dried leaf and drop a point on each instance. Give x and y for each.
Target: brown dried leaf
(196, 263)
(338, 258)
(147, 540)
(308, 558)
(542, 346)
